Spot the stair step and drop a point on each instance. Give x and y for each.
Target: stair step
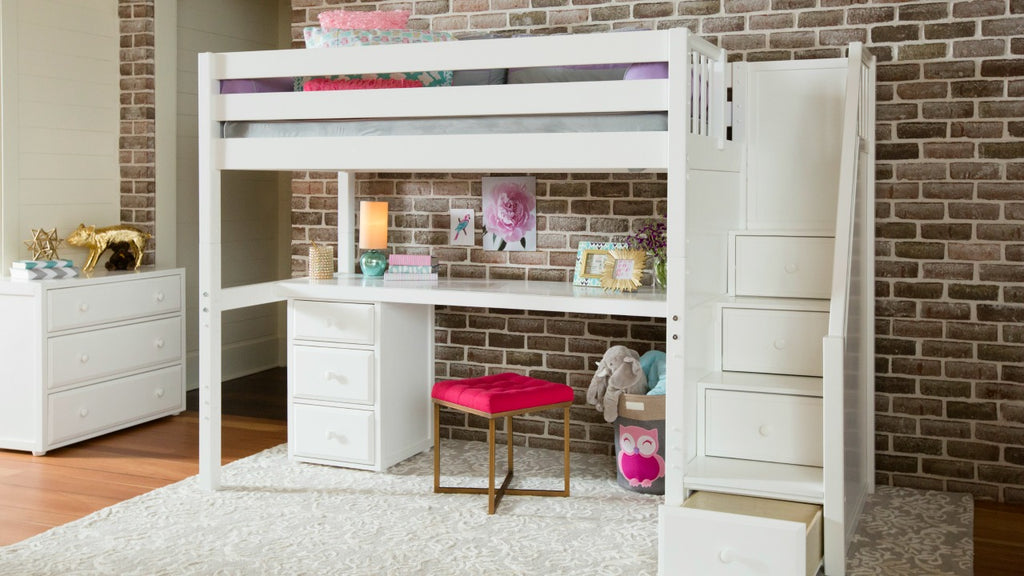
(766, 383)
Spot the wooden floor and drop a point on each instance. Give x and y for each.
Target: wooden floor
(38, 493)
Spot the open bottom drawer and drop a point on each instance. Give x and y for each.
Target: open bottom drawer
(723, 534)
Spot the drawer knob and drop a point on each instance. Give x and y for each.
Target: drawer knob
(331, 375)
(83, 412)
(159, 343)
(159, 297)
(83, 358)
(792, 268)
(332, 435)
(764, 430)
(159, 392)
(83, 307)
(725, 556)
(779, 344)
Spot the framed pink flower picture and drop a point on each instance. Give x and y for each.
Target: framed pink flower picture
(510, 213)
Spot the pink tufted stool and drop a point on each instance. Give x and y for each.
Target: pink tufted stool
(494, 397)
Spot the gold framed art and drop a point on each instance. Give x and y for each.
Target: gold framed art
(623, 270)
(590, 262)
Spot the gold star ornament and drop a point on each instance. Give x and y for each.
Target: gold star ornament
(44, 244)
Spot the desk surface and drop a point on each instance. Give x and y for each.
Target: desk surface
(512, 294)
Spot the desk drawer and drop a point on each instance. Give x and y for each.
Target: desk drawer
(107, 405)
(727, 535)
(784, 266)
(346, 322)
(335, 374)
(112, 351)
(94, 304)
(336, 434)
(770, 427)
(773, 341)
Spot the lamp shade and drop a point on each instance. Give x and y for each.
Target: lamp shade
(373, 225)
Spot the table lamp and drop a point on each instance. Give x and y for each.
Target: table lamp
(373, 237)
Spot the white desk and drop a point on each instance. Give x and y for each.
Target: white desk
(508, 294)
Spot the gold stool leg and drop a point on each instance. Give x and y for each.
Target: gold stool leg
(437, 448)
(508, 438)
(490, 467)
(565, 433)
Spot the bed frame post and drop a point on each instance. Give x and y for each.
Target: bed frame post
(209, 281)
(346, 221)
(678, 127)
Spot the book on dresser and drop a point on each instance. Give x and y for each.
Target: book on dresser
(32, 264)
(43, 273)
(390, 276)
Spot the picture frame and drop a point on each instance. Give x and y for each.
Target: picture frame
(623, 270)
(590, 261)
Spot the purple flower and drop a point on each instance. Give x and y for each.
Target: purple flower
(651, 239)
(507, 211)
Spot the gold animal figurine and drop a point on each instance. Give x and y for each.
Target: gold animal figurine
(97, 240)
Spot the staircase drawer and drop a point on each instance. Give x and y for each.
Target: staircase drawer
(773, 341)
(347, 322)
(784, 266)
(769, 427)
(725, 535)
(334, 434)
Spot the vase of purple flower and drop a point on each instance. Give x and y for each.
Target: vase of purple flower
(651, 239)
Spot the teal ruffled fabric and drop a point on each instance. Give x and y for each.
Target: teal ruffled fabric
(653, 364)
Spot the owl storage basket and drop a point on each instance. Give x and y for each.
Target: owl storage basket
(640, 443)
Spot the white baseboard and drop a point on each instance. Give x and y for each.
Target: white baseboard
(240, 359)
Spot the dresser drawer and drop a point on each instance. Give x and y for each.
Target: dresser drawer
(94, 304)
(784, 266)
(112, 351)
(727, 535)
(770, 427)
(337, 374)
(330, 433)
(333, 322)
(774, 341)
(107, 405)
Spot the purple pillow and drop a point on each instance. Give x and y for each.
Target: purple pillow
(647, 71)
(247, 86)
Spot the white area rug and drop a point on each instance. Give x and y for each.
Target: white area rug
(277, 517)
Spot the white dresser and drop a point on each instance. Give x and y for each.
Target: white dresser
(359, 382)
(81, 357)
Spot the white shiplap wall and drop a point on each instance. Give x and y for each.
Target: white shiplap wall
(60, 119)
(256, 230)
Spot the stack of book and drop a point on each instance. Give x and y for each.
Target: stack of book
(43, 269)
(411, 267)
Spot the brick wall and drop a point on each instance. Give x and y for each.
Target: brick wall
(137, 144)
(950, 210)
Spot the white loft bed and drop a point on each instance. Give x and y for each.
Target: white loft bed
(707, 177)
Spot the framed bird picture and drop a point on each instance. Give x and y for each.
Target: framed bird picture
(462, 230)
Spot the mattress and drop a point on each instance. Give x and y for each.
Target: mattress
(549, 123)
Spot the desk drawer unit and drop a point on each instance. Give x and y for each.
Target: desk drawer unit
(784, 266)
(770, 427)
(773, 341)
(727, 535)
(335, 434)
(343, 322)
(333, 374)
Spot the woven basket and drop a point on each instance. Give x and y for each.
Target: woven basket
(321, 261)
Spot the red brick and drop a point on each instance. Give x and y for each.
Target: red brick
(948, 150)
(973, 251)
(979, 8)
(870, 15)
(770, 21)
(1002, 27)
(900, 33)
(947, 110)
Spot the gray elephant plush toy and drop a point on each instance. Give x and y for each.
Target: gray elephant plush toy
(618, 372)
